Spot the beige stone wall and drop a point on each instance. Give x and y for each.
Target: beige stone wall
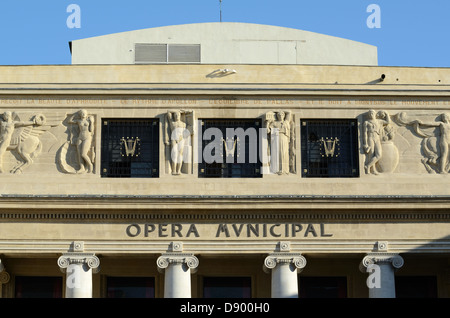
(410, 177)
(45, 194)
(336, 221)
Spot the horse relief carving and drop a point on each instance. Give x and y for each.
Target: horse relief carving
(23, 138)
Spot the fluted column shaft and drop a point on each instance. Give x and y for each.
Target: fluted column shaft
(177, 269)
(78, 268)
(284, 268)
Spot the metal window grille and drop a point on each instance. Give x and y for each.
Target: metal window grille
(329, 148)
(130, 148)
(232, 166)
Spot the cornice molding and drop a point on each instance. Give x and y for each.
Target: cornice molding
(261, 89)
(246, 216)
(258, 246)
(223, 207)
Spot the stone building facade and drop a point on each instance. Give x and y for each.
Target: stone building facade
(275, 180)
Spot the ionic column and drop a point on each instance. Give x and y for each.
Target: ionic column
(381, 268)
(177, 269)
(79, 267)
(4, 277)
(284, 268)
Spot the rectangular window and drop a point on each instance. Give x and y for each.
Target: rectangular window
(415, 287)
(130, 287)
(227, 287)
(38, 287)
(322, 287)
(329, 148)
(230, 148)
(130, 148)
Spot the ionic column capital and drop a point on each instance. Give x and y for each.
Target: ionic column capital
(271, 261)
(4, 276)
(376, 258)
(177, 258)
(89, 259)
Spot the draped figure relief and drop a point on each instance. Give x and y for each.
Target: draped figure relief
(281, 142)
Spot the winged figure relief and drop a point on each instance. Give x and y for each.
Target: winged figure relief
(23, 137)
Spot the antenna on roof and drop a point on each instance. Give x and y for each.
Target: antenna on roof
(220, 10)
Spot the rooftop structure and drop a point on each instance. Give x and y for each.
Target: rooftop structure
(221, 43)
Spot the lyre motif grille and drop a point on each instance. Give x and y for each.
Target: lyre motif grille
(131, 146)
(330, 145)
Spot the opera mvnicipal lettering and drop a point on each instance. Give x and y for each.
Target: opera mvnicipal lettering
(228, 230)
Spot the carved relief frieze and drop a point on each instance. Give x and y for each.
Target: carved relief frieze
(401, 142)
(77, 154)
(179, 130)
(382, 155)
(23, 138)
(280, 127)
(435, 139)
(418, 141)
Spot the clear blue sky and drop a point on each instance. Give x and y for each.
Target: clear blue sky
(412, 32)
